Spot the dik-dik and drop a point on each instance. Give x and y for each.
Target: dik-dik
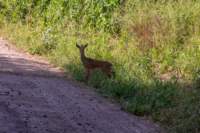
(91, 64)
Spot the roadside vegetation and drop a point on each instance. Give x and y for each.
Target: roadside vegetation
(154, 46)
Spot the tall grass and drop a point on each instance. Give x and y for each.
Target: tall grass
(154, 46)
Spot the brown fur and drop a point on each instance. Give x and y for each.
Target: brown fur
(91, 64)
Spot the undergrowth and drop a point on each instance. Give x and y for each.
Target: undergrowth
(154, 46)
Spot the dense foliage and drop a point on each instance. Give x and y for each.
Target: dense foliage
(153, 44)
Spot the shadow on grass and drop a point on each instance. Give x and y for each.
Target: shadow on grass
(166, 102)
(134, 96)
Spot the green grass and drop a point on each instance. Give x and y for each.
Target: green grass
(154, 46)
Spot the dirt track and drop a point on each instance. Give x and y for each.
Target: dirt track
(34, 98)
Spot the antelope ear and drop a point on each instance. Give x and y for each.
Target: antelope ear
(77, 45)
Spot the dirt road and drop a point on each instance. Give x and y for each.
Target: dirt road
(34, 98)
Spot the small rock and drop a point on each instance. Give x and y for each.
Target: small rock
(79, 124)
(45, 116)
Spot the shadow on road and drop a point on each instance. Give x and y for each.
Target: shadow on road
(23, 66)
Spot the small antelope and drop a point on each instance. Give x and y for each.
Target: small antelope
(91, 64)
